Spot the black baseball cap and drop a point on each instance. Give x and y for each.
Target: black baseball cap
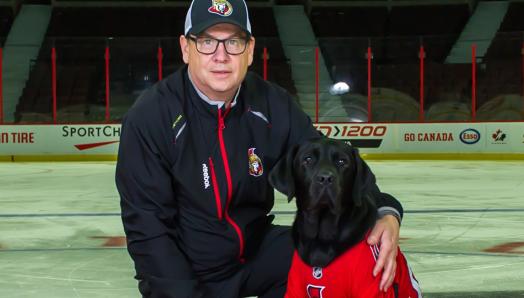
(203, 14)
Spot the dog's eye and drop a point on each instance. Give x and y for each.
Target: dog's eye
(341, 162)
(307, 160)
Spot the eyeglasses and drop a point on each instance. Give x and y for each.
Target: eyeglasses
(209, 45)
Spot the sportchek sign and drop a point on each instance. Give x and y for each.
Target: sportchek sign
(86, 139)
(100, 139)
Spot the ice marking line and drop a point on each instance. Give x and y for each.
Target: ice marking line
(76, 268)
(478, 267)
(487, 210)
(469, 228)
(468, 254)
(58, 278)
(59, 249)
(57, 215)
(479, 254)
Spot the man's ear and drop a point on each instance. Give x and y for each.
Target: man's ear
(184, 48)
(281, 176)
(251, 50)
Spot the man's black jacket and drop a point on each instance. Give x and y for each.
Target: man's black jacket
(193, 180)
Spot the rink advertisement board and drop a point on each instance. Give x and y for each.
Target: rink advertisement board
(82, 139)
(96, 140)
(435, 138)
(367, 137)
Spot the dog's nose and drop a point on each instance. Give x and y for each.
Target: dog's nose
(325, 178)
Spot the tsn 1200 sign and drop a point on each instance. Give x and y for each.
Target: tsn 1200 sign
(344, 131)
(360, 136)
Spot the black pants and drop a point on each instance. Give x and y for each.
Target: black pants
(264, 276)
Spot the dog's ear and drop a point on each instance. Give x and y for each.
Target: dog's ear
(281, 176)
(363, 178)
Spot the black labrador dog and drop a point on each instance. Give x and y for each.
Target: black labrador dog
(334, 189)
(336, 197)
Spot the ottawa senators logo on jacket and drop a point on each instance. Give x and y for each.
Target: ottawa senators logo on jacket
(255, 164)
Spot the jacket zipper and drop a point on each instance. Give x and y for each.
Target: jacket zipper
(223, 152)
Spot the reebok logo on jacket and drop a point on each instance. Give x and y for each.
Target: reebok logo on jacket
(205, 173)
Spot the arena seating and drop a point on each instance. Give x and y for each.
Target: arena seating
(513, 20)
(500, 75)
(508, 41)
(506, 107)
(6, 20)
(427, 20)
(349, 21)
(449, 111)
(344, 33)
(395, 38)
(133, 35)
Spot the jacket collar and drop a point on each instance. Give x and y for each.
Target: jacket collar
(251, 96)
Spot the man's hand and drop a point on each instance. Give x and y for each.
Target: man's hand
(386, 232)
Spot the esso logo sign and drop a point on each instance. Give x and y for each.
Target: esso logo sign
(470, 136)
(342, 131)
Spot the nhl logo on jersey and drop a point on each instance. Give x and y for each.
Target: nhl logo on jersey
(317, 272)
(255, 164)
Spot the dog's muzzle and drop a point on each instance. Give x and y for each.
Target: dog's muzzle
(324, 189)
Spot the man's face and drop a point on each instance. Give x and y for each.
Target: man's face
(218, 75)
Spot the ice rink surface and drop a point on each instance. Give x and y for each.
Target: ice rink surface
(463, 230)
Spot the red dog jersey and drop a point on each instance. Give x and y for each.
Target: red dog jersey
(350, 275)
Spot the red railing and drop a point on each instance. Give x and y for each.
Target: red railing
(317, 91)
(473, 82)
(160, 57)
(369, 56)
(265, 63)
(53, 82)
(108, 92)
(422, 56)
(1, 86)
(371, 68)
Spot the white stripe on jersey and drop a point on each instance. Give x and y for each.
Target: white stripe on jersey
(414, 282)
(374, 251)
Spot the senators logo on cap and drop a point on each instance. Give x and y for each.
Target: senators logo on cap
(221, 7)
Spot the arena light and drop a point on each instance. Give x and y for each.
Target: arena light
(357, 119)
(339, 88)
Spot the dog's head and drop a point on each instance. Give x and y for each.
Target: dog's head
(334, 191)
(323, 174)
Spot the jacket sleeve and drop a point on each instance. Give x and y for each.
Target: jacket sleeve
(148, 207)
(388, 205)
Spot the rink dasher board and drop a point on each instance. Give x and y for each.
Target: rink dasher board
(490, 140)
